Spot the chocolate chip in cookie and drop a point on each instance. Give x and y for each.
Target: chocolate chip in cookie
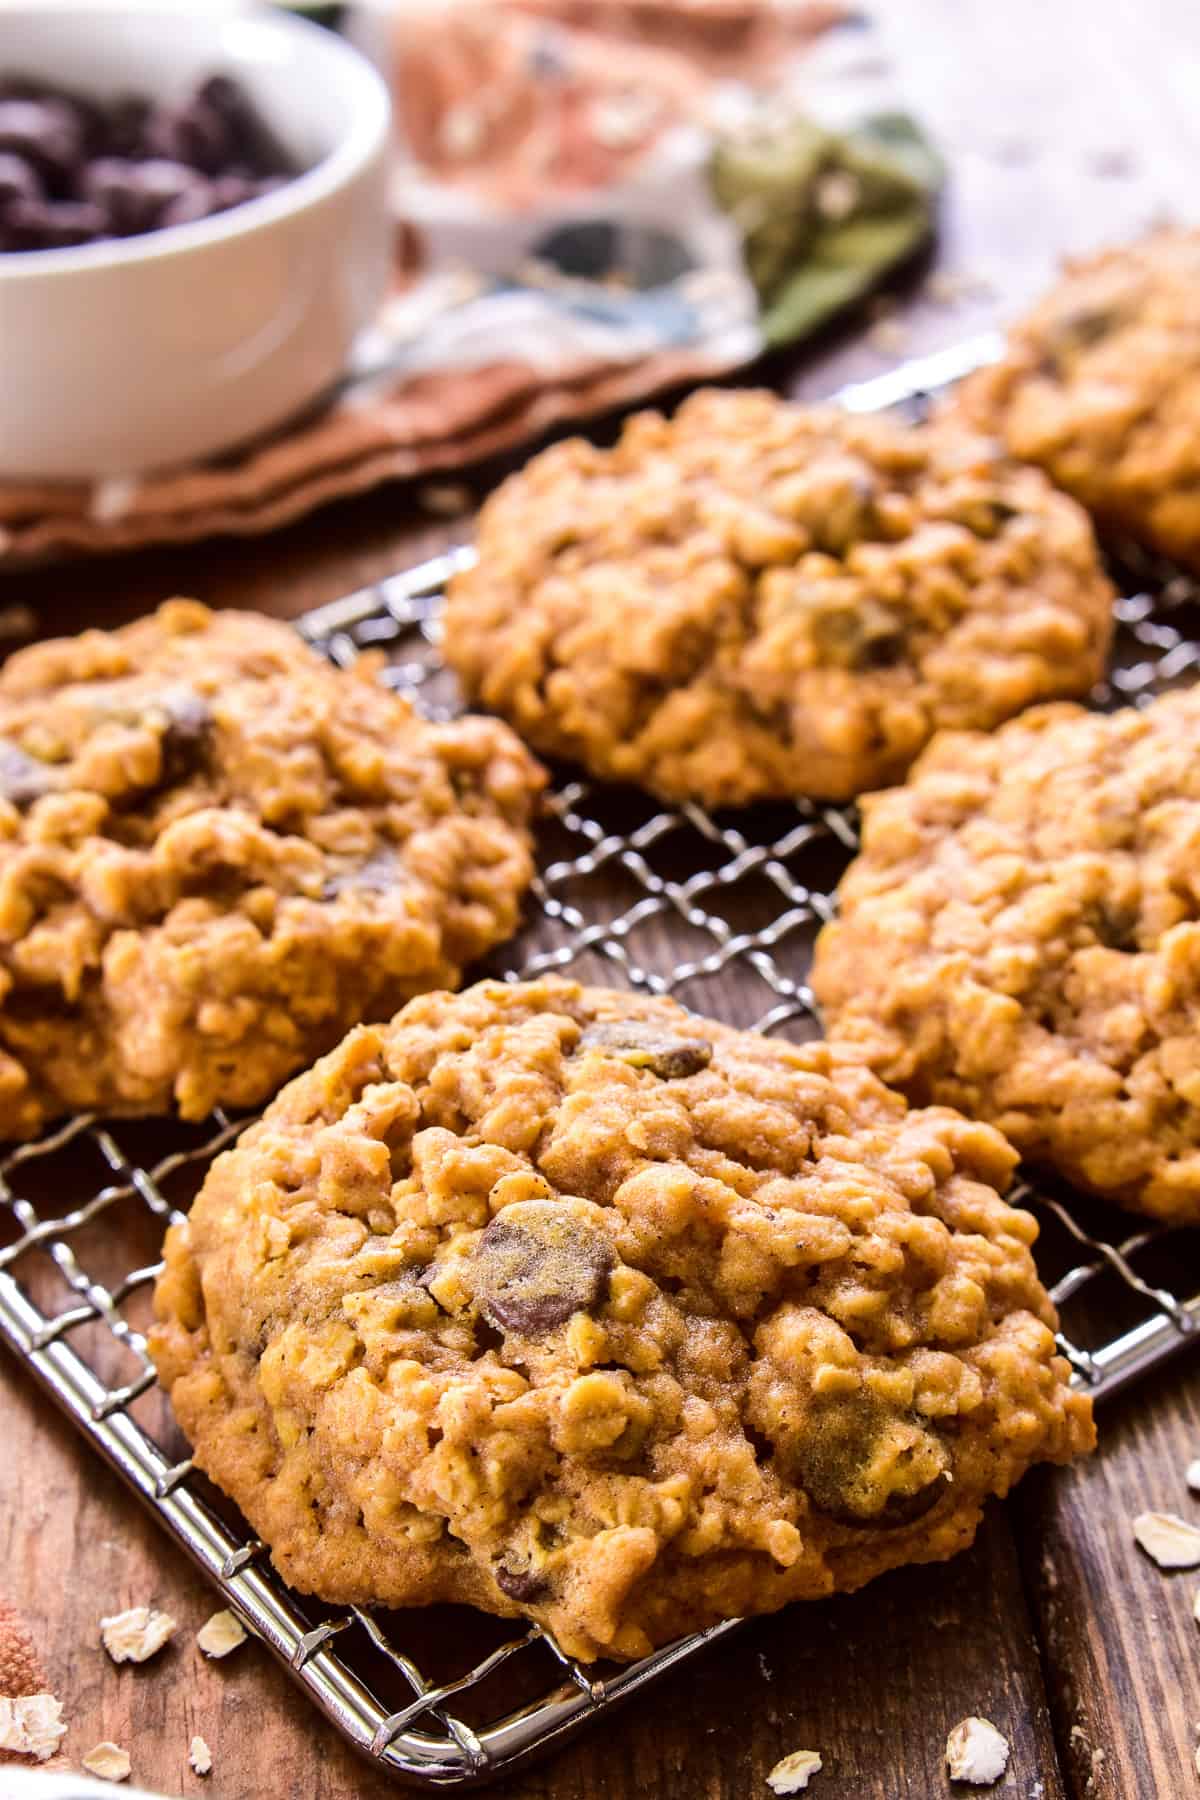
(644, 1047)
(833, 1463)
(537, 1263)
(523, 1585)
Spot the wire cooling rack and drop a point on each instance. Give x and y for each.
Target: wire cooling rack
(719, 912)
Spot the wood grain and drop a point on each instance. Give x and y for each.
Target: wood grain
(1065, 124)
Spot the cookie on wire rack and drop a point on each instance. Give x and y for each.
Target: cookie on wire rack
(1020, 938)
(1100, 385)
(563, 1302)
(753, 600)
(217, 852)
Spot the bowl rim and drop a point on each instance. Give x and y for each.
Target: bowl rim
(366, 138)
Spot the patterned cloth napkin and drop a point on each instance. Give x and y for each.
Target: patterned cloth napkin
(597, 199)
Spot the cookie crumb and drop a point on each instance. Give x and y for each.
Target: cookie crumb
(790, 1775)
(137, 1634)
(976, 1751)
(1168, 1539)
(200, 1756)
(1192, 1477)
(31, 1725)
(109, 1762)
(221, 1634)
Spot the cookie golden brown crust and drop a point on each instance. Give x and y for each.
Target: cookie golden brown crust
(1020, 938)
(217, 852)
(753, 600)
(563, 1302)
(1100, 385)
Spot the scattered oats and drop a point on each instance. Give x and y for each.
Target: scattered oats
(136, 1635)
(31, 1725)
(463, 131)
(620, 120)
(1171, 1541)
(1193, 1476)
(200, 1756)
(221, 1634)
(1196, 1616)
(109, 1762)
(837, 194)
(791, 1775)
(976, 1751)
(887, 335)
(444, 499)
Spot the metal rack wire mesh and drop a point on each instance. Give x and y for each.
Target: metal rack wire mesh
(672, 901)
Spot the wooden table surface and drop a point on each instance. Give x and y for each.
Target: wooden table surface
(1066, 122)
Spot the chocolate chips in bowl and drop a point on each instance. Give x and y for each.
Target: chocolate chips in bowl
(74, 170)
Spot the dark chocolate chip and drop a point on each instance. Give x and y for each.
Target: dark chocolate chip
(52, 224)
(134, 195)
(23, 779)
(830, 1457)
(125, 127)
(46, 132)
(864, 636)
(192, 133)
(521, 1585)
(195, 202)
(537, 1264)
(247, 129)
(189, 727)
(18, 179)
(648, 1047)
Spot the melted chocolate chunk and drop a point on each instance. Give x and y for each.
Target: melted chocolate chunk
(646, 1047)
(866, 636)
(189, 725)
(830, 1461)
(521, 1585)
(537, 1264)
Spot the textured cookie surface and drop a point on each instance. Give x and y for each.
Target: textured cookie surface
(1021, 938)
(560, 1301)
(1100, 385)
(217, 852)
(752, 600)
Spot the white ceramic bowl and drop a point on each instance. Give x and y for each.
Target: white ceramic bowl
(141, 353)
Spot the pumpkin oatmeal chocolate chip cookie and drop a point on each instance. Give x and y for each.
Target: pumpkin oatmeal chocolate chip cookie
(562, 1302)
(1100, 385)
(1020, 938)
(751, 600)
(217, 852)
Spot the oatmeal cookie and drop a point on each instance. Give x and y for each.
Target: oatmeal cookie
(1100, 385)
(752, 600)
(217, 852)
(562, 1302)
(1020, 938)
